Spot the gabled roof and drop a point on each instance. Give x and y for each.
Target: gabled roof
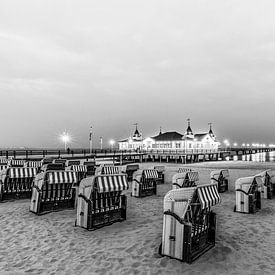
(168, 136)
(200, 137)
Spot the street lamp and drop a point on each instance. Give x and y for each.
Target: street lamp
(235, 144)
(65, 138)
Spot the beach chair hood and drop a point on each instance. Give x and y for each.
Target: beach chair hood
(246, 182)
(208, 195)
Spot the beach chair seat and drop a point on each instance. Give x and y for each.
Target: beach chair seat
(100, 201)
(222, 178)
(17, 182)
(53, 191)
(248, 196)
(160, 170)
(267, 188)
(185, 179)
(189, 225)
(144, 183)
(130, 169)
(16, 163)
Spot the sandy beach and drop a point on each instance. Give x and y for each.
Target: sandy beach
(51, 244)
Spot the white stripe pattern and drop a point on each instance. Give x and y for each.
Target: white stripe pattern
(110, 170)
(110, 183)
(193, 176)
(22, 172)
(61, 177)
(150, 174)
(34, 164)
(208, 195)
(184, 169)
(78, 168)
(14, 162)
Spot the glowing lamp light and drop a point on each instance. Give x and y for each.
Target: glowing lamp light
(247, 144)
(235, 144)
(65, 138)
(112, 143)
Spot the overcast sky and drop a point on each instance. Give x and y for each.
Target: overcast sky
(71, 64)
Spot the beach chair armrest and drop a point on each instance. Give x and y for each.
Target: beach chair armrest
(137, 181)
(84, 197)
(240, 190)
(215, 179)
(176, 184)
(37, 188)
(179, 219)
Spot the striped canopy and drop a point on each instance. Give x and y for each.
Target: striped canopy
(3, 161)
(61, 177)
(110, 183)
(208, 195)
(193, 176)
(184, 169)
(110, 170)
(22, 172)
(150, 174)
(34, 164)
(78, 168)
(16, 162)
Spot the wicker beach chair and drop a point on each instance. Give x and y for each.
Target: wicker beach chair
(221, 177)
(73, 162)
(189, 225)
(60, 161)
(53, 191)
(4, 161)
(34, 164)
(184, 170)
(17, 182)
(107, 170)
(80, 170)
(16, 163)
(248, 196)
(186, 179)
(100, 201)
(268, 184)
(160, 170)
(144, 183)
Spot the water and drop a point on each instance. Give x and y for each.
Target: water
(259, 157)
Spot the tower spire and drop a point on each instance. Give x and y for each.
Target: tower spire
(189, 130)
(160, 131)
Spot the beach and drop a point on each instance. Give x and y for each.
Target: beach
(51, 244)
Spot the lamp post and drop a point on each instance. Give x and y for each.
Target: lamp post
(65, 138)
(101, 143)
(90, 139)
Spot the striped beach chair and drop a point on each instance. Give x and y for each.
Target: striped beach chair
(34, 164)
(73, 162)
(268, 184)
(248, 196)
(189, 225)
(17, 182)
(81, 171)
(184, 170)
(186, 179)
(100, 201)
(3, 167)
(221, 177)
(47, 160)
(107, 170)
(160, 170)
(60, 161)
(4, 161)
(144, 183)
(16, 163)
(53, 191)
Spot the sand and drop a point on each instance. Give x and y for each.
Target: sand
(51, 244)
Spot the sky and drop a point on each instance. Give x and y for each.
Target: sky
(69, 65)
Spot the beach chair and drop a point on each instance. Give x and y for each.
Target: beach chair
(53, 191)
(189, 225)
(53, 166)
(16, 163)
(144, 183)
(4, 161)
(222, 178)
(184, 170)
(80, 170)
(47, 160)
(73, 162)
(186, 179)
(100, 201)
(107, 170)
(160, 170)
(91, 168)
(130, 169)
(248, 196)
(268, 184)
(34, 164)
(17, 182)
